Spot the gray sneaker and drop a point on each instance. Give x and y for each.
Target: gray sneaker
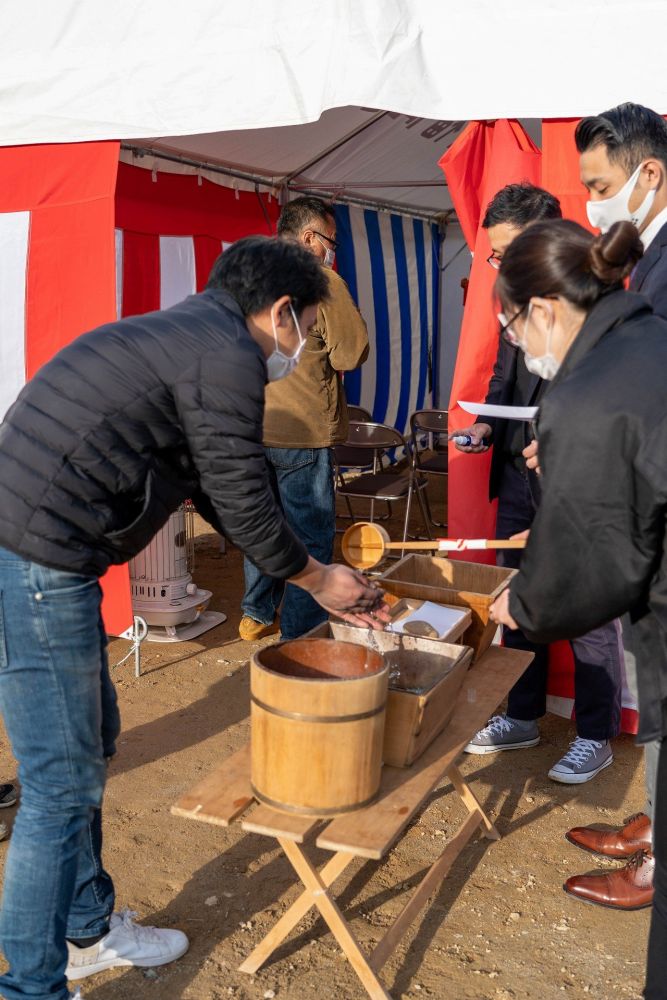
(583, 761)
(503, 733)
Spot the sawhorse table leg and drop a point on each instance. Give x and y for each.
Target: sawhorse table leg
(317, 894)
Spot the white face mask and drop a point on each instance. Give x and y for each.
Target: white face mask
(545, 365)
(329, 254)
(278, 364)
(603, 214)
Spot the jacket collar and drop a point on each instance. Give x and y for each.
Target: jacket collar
(649, 260)
(611, 310)
(223, 298)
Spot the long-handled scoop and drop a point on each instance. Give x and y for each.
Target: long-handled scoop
(364, 544)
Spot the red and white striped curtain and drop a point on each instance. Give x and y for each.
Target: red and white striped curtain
(57, 269)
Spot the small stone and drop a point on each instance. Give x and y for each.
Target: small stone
(269, 995)
(530, 798)
(211, 901)
(150, 974)
(515, 916)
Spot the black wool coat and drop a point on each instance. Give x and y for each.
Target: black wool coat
(597, 546)
(125, 423)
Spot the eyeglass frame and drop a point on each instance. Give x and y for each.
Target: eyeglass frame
(506, 326)
(494, 260)
(334, 243)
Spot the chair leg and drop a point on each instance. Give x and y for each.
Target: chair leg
(425, 510)
(408, 504)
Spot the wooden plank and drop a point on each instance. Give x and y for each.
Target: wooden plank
(221, 796)
(299, 908)
(428, 885)
(272, 823)
(335, 920)
(370, 832)
(471, 801)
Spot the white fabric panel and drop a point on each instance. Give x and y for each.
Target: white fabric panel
(94, 70)
(394, 316)
(14, 237)
(365, 303)
(119, 273)
(177, 269)
(411, 257)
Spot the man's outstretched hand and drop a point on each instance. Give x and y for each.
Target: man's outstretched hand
(344, 592)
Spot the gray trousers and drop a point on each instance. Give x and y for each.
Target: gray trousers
(652, 748)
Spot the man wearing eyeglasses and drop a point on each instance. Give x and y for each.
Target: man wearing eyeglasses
(597, 655)
(305, 416)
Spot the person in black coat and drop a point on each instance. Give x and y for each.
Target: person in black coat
(623, 163)
(100, 447)
(597, 547)
(597, 656)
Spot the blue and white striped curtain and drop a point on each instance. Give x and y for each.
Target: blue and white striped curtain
(391, 265)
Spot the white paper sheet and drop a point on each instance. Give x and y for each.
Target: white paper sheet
(505, 412)
(441, 618)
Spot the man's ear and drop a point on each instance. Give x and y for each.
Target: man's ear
(281, 312)
(653, 173)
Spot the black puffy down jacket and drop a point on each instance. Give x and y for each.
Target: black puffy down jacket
(125, 423)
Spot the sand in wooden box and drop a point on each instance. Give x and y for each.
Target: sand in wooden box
(317, 723)
(425, 676)
(452, 581)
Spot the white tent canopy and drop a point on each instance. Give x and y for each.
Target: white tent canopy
(90, 69)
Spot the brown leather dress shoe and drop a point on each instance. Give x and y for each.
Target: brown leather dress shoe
(626, 888)
(622, 843)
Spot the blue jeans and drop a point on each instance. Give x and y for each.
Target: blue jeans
(302, 481)
(60, 711)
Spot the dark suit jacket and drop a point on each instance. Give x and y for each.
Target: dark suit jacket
(501, 392)
(650, 275)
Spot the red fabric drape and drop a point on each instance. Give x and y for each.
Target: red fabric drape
(484, 158)
(70, 283)
(560, 168)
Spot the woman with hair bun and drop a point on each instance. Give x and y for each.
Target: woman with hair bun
(597, 546)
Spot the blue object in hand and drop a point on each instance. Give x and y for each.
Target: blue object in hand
(464, 440)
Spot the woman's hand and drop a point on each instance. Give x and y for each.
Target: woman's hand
(499, 610)
(530, 453)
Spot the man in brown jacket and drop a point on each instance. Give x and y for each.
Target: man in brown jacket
(305, 416)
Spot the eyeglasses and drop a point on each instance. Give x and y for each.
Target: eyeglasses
(506, 330)
(494, 260)
(329, 239)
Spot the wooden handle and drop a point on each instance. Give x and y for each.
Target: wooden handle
(456, 544)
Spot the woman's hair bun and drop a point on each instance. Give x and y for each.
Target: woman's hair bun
(613, 255)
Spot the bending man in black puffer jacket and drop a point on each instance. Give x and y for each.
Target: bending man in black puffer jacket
(100, 447)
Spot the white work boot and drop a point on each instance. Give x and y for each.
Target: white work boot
(126, 943)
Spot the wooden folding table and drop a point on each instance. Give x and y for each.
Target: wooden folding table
(225, 796)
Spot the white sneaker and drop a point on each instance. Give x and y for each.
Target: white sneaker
(583, 761)
(126, 943)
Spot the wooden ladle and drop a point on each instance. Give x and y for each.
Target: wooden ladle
(364, 545)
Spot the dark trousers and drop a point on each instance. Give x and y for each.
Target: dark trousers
(656, 965)
(597, 655)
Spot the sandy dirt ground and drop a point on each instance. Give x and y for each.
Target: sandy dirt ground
(499, 928)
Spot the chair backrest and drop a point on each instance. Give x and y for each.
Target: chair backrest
(431, 421)
(358, 414)
(374, 436)
(365, 442)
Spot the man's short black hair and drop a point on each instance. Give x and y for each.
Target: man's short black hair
(302, 212)
(630, 133)
(258, 270)
(520, 204)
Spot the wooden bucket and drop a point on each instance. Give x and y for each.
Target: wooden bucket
(317, 725)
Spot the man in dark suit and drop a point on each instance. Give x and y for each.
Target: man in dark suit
(597, 655)
(623, 164)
